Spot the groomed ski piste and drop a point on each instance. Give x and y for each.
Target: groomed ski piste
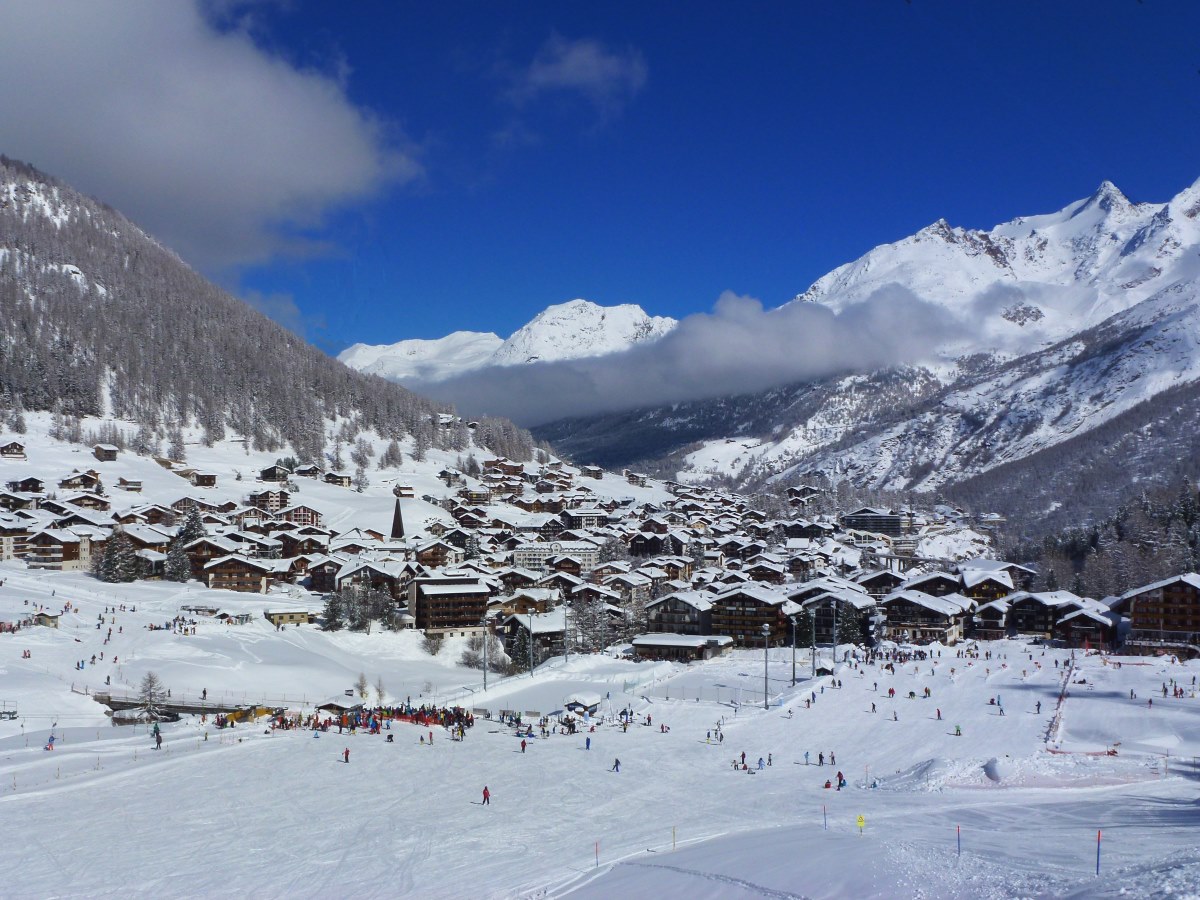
(266, 813)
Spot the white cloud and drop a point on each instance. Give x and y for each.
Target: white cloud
(608, 78)
(222, 150)
(738, 348)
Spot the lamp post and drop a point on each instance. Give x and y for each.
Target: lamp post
(766, 630)
(483, 622)
(793, 618)
(812, 655)
(531, 642)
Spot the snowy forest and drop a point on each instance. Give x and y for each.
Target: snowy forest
(99, 319)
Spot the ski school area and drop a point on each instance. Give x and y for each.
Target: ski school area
(995, 769)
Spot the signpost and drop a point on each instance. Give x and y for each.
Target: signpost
(862, 823)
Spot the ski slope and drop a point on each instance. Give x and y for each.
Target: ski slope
(279, 814)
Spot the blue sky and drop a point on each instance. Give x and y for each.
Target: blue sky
(462, 166)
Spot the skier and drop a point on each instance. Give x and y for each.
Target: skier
(820, 759)
(769, 761)
(840, 780)
(832, 759)
(616, 767)
(204, 694)
(872, 707)
(587, 744)
(346, 756)
(958, 731)
(939, 715)
(487, 797)
(761, 764)
(806, 757)
(158, 741)
(522, 745)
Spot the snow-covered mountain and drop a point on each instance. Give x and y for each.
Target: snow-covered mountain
(1065, 322)
(423, 360)
(572, 330)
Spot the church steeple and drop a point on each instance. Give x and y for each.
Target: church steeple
(397, 522)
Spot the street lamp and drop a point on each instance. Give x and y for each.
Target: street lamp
(793, 619)
(766, 630)
(812, 647)
(483, 622)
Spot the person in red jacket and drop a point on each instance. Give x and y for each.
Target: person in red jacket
(487, 796)
(346, 755)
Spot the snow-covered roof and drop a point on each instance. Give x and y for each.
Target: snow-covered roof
(1189, 578)
(665, 639)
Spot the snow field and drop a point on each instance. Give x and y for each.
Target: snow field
(279, 814)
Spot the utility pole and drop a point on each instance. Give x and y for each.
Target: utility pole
(766, 631)
(531, 642)
(812, 620)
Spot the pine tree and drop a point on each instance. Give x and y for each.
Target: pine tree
(177, 566)
(333, 613)
(849, 624)
(362, 687)
(192, 528)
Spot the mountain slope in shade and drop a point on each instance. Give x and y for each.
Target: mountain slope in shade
(572, 330)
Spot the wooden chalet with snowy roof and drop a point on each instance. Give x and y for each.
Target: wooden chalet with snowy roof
(1164, 616)
(307, 471)
(269, 500)
(27, 485)
(105, 452)
(276, 473)
(133, 485)
(741, 611)
(920, 618)
(682, 612)
(339, 479)
(242, 573)
(12, 450)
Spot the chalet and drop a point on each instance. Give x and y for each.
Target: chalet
(683, 612)
(405, 491)
(986, 585)
(271, 501)
(504, 466)
(935, 584)
(12, 450)
(301, 515)
(448, 605)
(881, 582)
(241, 573)
(105, 452)
(766, 571)
(133, 485)
(515, 578)
(339, 479)
(1036, 613)
(276, 473)
(391, 577)
(1088, 627)
(990, 622)
(563, 581)
(548, 631)
(741, 612)
(681, 647)
(204, 550)
(439, 553)
(14, 532)
(281, 617)
(302, 544)
(322, 574)
(532, 600)
(203, 479)
(45, 619)
(1165, 616)
(583, 517)
(82, 481)
(308, 471)
(592, 472)
(67, 550)
(919, 618)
